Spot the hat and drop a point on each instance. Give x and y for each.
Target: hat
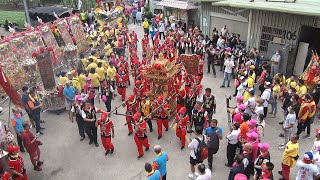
(137, 115)
(131, 97)
(252, 67)
(121, 58)
(240, 176)
(245, 84)
(251, 91)
(239, 98)
(138, 82)
(264, 146)
(267, 83)
(104, 116)
(121, 69)
(88, 78)
(183, 110)
(78, 97)
(242, 77)
(252, 135)
(228, 49)
(242, 107)
(308, 156)
(12, 149)
(252, 122)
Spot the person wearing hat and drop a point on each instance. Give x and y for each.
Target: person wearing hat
(266, 97)
(139, 90)
(253, 139)
(32, 144)
(289, 156)
(229, 65)
(307, 170)
(182, 120)
(76, 111)
(238, 116)
(262, 159)
(69, 95)
(121, 81)
(132, 107)
(145, 107)
(162, 115)
(106, 132)
(140, 137)
(16, 164)
(88, 114)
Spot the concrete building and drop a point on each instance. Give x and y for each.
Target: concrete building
(293, 25)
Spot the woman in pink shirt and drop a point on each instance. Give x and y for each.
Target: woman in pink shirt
(253, 139)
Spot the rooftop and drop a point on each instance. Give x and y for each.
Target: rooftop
(177, 4)
(301, 7)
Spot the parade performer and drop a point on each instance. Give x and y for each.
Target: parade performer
(106, 132)
(106, 93)
(190, 101)
(188, 79)
(139, 90)
(140, 137)
(182, 120)
(200, 68)
(132, 106)
(89, 117)
(144, 44)
(16, 164)
(145, 106)
(121, 80)
(5, 175)
(124, 64)
(209, 103)
(156, 50)
(162, 115)
(181, 95)
(76, 110)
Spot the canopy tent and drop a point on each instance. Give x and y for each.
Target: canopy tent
(177, 4)
(47, 13)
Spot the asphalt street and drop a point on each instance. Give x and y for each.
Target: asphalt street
(67, 158)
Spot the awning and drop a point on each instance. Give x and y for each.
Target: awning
(177, 4)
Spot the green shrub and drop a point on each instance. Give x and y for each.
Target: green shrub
(17, 17)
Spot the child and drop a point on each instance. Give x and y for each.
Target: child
(267, 171)
(261, 125)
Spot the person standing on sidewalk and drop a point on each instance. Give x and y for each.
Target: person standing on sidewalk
(214, 135)
(76, 110)
(160, 162)
(69, 94)
(35, 107)
(288, 126)
(289, 156)
(32, 144)
(233, 141)
(16, 121)
(229, 64)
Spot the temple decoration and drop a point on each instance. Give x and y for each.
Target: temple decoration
(161, 75)
(191, 63)
(78, 33)
(71, 56)
(311, 74)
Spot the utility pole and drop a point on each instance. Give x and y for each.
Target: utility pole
(26, 11)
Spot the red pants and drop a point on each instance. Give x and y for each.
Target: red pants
(181, 133)
(129, 122)
(122, 93)
(165, 123)
(141, 142)
(35, 156)
(107, 144)
(179, 77)
(25, 177)
(187, 88)
(285, 172)
(179, 106)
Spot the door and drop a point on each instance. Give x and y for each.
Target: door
(301, 58)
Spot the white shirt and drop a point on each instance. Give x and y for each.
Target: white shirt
(229, 65)
(266, 96)
(258, 110)
(252, 103)
(206, 176)
(200, 98)
(240, 90)
(316, 159)
(306, 171)
(276, 58)
(290, 119)
(233, 136)
(224, 31)
(161, 27)
(315, 146)
(194, 146)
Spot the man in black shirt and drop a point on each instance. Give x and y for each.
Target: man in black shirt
(211, 56)
(286, 102)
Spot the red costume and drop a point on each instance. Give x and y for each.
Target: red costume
(105, 131)
(121, 82)
(132, 106)
(15, 162)
(139, 90)
(181, 95)
(140, 137)
(31, 147)
(5, 176)
(200, 70)
(188, 82)
(182, 120)
(162, 117)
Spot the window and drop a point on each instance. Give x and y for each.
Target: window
(267, 35)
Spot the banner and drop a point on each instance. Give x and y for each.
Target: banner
(191, 63)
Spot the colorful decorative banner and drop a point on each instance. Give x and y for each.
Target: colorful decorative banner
(191, 63)
(78, 33)
(63, 28)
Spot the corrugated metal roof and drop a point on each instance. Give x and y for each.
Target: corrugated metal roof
(301, 7)
(177, 4)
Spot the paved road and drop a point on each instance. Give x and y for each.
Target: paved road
(66, 158)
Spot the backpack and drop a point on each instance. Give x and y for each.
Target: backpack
(202, 151)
